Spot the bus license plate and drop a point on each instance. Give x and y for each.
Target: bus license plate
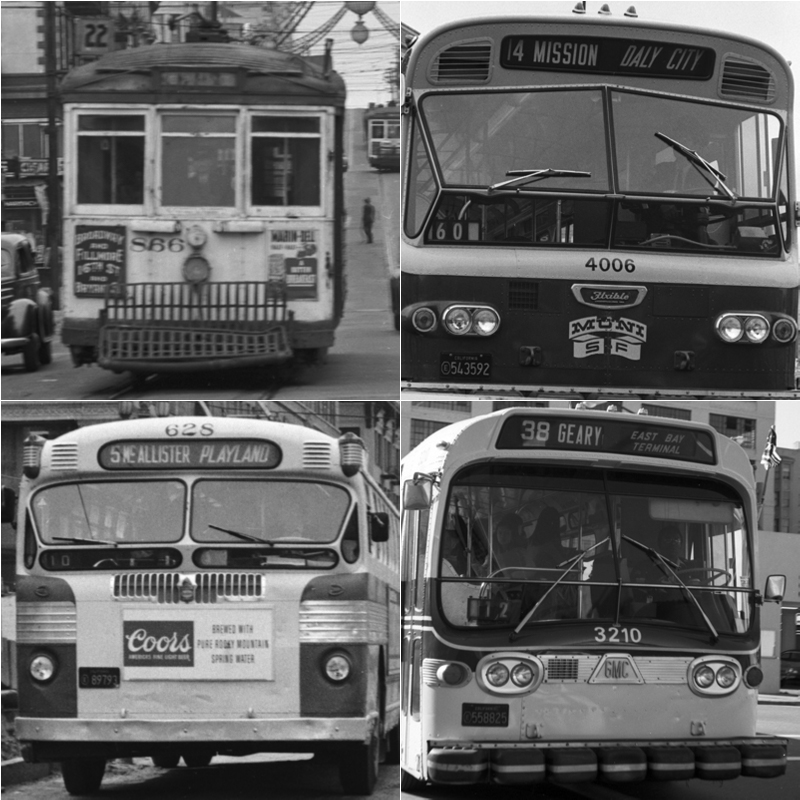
(484, 715)
(465, 366)
(98, 677)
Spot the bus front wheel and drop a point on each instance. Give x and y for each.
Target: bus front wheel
(83, 775)
(358, 771)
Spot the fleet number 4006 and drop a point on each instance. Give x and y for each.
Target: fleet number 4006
(610, 265)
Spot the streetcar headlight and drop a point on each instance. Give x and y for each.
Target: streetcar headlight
(522, 675)
(726, 677)
(337, 667)
(424, 320)
(714, 676)
(457, 320)
(196, 236)
(756, 329)
(196, 269)
(729, 328)
(497, 674)
(784, 330)
(485, 321)
(704, 677)
(42, 668)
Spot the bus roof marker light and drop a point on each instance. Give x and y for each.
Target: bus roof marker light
(32, 455)
(579, 8)
(631, 12)
(605, 10)
(351, 453)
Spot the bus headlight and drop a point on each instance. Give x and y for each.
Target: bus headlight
(485, 321)
(497, 674)
(729, 328)
(714, 675)
(337, 667)
(784, 330)
(42, 668)
(756, 329)
(469, 320)
(457, 320)
(424, 320)
(522, 675)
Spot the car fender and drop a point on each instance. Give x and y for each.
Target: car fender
(44, 302)
(21, 318)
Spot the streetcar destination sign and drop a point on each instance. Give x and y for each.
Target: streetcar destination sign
(158, 454)
(626, 437)
(607, 56)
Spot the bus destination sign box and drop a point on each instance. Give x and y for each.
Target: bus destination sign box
(607, 56)
(158, 454)
(612, 436)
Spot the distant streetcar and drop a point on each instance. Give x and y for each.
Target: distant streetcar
(203, 208)
(382, 131)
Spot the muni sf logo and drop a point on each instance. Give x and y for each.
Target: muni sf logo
(595, 336)
(158, 643)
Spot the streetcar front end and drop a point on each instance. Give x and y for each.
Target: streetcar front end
(203, 208)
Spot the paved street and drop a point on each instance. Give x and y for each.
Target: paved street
(362, 365)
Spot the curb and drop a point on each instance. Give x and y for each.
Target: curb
(16, 771)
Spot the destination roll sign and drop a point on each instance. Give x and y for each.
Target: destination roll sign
(220, 453)
(607, 56)
(612, 436)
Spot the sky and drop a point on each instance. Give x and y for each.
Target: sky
(787, 423)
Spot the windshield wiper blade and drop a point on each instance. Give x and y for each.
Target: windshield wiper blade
(83, 540)
(657, 557)
(695, 158)
(244, 536)
(522, 177)
(570, 562)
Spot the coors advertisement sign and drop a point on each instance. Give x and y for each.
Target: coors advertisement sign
(159, 643)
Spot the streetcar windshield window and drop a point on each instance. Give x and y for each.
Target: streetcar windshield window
(111, 159)
(270, 512)
(110, 512)
(198, 160)
(285, 161)
(523, 545)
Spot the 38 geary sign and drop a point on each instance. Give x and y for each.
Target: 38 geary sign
(607, 56)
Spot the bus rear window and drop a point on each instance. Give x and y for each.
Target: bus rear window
(268, 512)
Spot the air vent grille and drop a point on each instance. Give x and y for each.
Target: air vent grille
(523, 295)
(562, 669)
(316, 455)
(465, 62)
(64, 457)
(747, 79)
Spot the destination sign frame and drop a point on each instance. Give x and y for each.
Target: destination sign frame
(626, 437)
(607, 56)
(157, 454)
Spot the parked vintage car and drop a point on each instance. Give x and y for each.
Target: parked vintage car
(27, 326)
(790, 668)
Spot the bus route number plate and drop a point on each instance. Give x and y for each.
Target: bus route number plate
(484, 715)
(465, 366)
(98, 677)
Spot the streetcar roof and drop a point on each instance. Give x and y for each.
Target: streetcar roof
(269, 72)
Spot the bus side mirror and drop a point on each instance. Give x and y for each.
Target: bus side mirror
(416, 496)
(9, 505)
(775, 589)
(379, 526)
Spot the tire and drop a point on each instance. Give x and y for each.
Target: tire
(408, 783)
(83, 775)
(358, 770)
(197, 758)
(46, 352)
(166, 760)
(30, 353)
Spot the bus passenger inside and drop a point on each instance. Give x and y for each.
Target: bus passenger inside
(547, 550)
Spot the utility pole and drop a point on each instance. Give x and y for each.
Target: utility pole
(53, 182)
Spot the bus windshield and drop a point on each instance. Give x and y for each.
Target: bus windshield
(110, 512)
(271, 512)
(523, 545)
(534, 168)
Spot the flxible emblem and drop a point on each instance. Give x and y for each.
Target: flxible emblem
(608, 296)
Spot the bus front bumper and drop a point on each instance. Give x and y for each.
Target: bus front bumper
(51, 739)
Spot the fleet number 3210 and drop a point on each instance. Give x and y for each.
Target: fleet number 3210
(614, 634)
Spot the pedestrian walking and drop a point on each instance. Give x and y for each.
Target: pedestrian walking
(367, 218)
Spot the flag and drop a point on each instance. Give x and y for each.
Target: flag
(770, 458)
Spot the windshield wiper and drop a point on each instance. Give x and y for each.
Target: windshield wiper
(82, 540)
(657, 557)
(244, 536)
(522, 177)
(571, 562)
(697, 160)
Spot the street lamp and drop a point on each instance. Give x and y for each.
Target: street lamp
(360, 32)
